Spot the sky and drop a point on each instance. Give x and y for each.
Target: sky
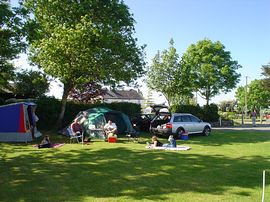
(242, 26)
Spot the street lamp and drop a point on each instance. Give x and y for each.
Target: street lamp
(246, 97)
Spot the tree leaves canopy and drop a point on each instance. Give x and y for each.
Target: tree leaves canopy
(31, 84)
(210, 68)
(257, 95)
(86, 41)
(165, 75)
(266, 73)
(10, 41)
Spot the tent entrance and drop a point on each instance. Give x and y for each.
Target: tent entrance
(118, 119)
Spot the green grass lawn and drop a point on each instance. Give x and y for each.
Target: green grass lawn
(226, 166)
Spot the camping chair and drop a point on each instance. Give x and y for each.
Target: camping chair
(133, 136)
(76, 136)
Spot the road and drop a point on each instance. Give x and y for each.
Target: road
(247, 127)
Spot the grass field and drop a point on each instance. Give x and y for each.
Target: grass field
(226, 166)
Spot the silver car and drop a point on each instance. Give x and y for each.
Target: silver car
(180, 123)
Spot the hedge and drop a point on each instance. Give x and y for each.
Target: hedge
(49, 108)
(207, 113)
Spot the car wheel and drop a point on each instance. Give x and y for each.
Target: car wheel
(206, 131)
(179, 133)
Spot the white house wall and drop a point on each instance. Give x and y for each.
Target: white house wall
(141, 102)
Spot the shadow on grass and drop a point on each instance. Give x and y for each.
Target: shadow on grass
(73, 174)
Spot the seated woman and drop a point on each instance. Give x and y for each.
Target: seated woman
(77, 128)
(110, 129)
(45, 143)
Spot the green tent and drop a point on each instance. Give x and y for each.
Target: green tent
(96, 118)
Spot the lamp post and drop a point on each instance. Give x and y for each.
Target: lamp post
(246, 97)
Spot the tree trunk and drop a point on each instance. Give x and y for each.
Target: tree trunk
(207, 96)
(207, 101)
(63, 107)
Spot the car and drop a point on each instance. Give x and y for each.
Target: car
(141, 122)
(178, 124)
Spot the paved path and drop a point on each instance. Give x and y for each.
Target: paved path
(259, 127)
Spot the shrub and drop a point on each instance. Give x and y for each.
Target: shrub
(207, 113)
(196, 110)
(210, 113)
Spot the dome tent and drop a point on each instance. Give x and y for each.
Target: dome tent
(98, 117)
(17, 121)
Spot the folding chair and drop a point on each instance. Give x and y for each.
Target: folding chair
(76, 136)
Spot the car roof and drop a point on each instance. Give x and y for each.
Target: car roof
(182, 114)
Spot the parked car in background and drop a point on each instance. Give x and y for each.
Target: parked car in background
(141, 122)
(177, 124)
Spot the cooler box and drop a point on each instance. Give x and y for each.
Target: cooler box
(112, 139)
(184, 136)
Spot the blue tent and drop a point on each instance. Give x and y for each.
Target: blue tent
(18, 122)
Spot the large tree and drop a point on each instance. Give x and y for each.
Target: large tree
(11, 43)
(257, 95)
(210, 68)
(165, 76)
(84, 41)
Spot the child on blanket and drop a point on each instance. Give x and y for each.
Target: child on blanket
(45, 143)
(157, 143)
(172, 142)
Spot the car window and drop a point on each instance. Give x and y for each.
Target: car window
(177, 119)
(159, 118)
(194, 119)
(185, 118)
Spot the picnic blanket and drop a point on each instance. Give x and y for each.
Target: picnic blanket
(177, 148)
(53, 145)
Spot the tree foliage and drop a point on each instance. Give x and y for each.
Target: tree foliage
(210, 68)
(266, 73)
(227, 105)
(10, 41)
(165, 76)
(31, 84)
(257, 95)
(84, 41)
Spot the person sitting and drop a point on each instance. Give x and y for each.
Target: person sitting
(172, 142)
(45, 143)
(110, 129)
(156, 142)
(77, 128)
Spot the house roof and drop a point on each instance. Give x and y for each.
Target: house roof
(123, 94)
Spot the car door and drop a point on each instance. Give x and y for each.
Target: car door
(197, 124)
(187, 124)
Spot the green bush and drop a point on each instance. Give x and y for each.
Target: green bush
(228, 115)
(47, 111)
(206, 113)
(196, 110)
(210, 113)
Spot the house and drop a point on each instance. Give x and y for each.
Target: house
(131, 96)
